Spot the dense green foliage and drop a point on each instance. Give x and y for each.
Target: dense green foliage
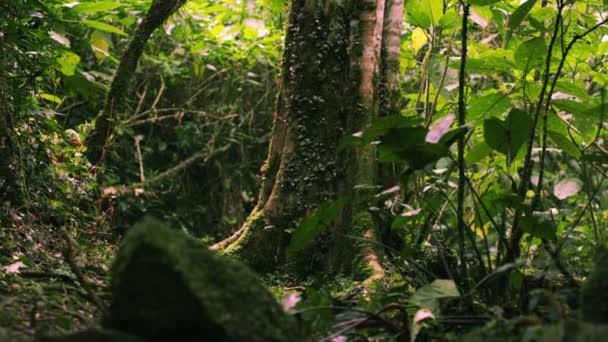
(495, 215)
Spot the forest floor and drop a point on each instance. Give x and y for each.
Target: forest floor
(40, 294)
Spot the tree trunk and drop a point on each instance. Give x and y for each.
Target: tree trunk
(8, 179)
(329, 90)
(98, 140)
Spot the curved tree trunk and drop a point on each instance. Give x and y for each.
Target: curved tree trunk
(329, 90)
(98, 140)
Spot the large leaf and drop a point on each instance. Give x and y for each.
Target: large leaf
(482, 2)
(314, 224)
(424, 13)
(67, 62)
(540, 225)
(508, 136)
(520, 14)
(429, 295)
(97, 6)
(492, 104)
(530, 54)
(103, 27)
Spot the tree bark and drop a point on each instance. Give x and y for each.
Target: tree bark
(330, 75)
(8, 180)
(98, 140)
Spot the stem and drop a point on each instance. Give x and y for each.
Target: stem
(514, 250)
(461, 122)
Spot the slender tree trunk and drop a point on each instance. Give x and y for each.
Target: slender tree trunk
(330, 75)
(98, 140)
(8, 180)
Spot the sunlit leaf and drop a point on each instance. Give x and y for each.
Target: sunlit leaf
(419, 39)
(103, 27)
(67, 62)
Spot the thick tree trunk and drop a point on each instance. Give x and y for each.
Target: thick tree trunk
(98, 139)
(331, 68)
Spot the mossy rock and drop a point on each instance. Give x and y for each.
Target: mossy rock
(94, 335)
(595, 291)
(167, 285)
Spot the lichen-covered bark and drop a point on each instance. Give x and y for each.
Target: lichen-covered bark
(99, 137)
(331, 69)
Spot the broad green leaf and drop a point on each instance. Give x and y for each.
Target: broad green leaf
(477, 152)
(568, 86)
(482, 2)
(520, 14)
(103, 27)
(493, 104)
(540, 225)
(428, 296)
(563, 142)
(530, 54)
(508, 136)
(97, 6)
(314, 224)
(424, 13)
(67, 62)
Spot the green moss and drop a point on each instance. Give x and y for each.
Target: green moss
(167, 284)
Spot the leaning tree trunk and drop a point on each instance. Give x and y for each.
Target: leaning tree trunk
(99, 138)
(329, 90)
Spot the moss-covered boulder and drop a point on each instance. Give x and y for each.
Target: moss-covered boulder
(595, 291)
(168, 286)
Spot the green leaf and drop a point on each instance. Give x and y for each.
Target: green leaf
(424, 13)
(530, 54)
(508, 136)
(493, 104)
(540, 225)
(520, 14)
(50, 97)
(93, 7)
(314, 224)
(428, 296)
(103, 27)
(564, 143)
(67, 62)
(478, 152)
(482, 2)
